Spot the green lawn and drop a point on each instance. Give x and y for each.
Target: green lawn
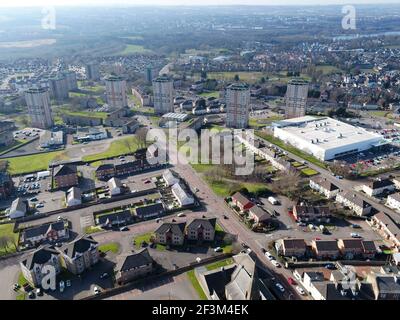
(219, 264)
(224, 188)
(37, 162)
(110, 247)
(328, 69)
(379, 113)
(7, 231)
(99, 115)
(93, 229)
(117, 148)
(146, 238)
(214, 94)
(196, 285)
(134, 48)
(291, 149)
(309, 172)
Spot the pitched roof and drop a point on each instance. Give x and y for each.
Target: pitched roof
(324, 183)
(80, 245)
(261, 214)
(43, 229)
(175, 228)
(150, 209)
(40, 256)
(355, 199)
(388, 284)
(135, 260)
(116, 216)
(239, 197)
(107, 166)
(352, 243)
(65, 169)
(19, 205)
(326, 245)
(310, 210)
(294, 244)
(379, 183)
(205, 223)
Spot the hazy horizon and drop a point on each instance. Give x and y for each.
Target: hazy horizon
(35, 3)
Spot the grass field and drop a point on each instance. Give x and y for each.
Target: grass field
(328, 69)
(291, 149)
(110, 247)
(196, 285)
(146, 238)
(100, 115)
(6, 230)
(117, 148)
(214, 94)
(224, 188)
(134, 48)
(32, 163)
(219, 264)
(379, 113)
(309, 172)
(93, 229)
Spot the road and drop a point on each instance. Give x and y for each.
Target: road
(343, 184)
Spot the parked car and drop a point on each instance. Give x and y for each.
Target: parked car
(125, 228)
(292, 281)
(16, 287)
(39, 292)
(275, 263)
(280, 287)
(300, 290)
(355, 235)
(96, 290)
(218, 249)
(31, 295)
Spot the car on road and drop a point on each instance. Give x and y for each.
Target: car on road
(31, 295)
(356, 226)
(125, 228)
(218, 249)
(355, 235)
(39, 292)
(96, 290)
(292, 281)
(226, 217)
(297, 276)
(280, 287)
(39, 206)
(180, 215)
(275, 263)
(34, 199)
(300, 290)
(330, 266)
(16, 287)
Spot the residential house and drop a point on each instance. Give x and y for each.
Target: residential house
(34, 265)
(385, 287)
(396, 181)
(115, 186)
(387, 228)
(109, 220)
(74, 197)
(291, 247)
(46, 233)
(49, 139)
(91, 134)
(378, 186)
(170, 177)
(150, 211)
(133, 266)
(260, 216)
(80, 254)
(128, 168)
(325, 249)
(351, 248)
(170, 234)
(240, 201)
(181, 195)
(393, 201)
(18, 209)
(324, 186)
(351, 200)
(306, 213)
(105, 171)
(201, 229)
(321, 289)
(65, 176)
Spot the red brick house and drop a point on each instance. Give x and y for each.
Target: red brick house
(239, 200)
(65, 176)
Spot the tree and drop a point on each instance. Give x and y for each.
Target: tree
(141, 135)
(4, 240)
(237, 78)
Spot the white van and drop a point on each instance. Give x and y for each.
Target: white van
(273, 201)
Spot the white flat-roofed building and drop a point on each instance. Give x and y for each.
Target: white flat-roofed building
(179, 117)
(325, 138)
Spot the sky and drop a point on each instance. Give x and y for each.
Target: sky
(26, 3)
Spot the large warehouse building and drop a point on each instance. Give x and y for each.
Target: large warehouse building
(325, 138)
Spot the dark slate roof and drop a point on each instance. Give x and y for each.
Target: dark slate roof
(148, 210)
(354, 198)
(79, 245)
(111, 217)
(107, 166)
(65, 170)
(380, 183)
(294, 244)
(388, 284)
(134, 260)
(326, 245)
(352, 243)
(43, 229)
(312, 210)
(369, 245)
(39, 256)
(128, 165)
(175, 228)
(329, 291)
(206, 223)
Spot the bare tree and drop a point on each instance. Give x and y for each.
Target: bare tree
(141, 135)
